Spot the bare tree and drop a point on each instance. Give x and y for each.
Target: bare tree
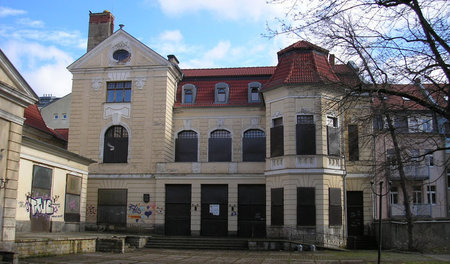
(392, 42)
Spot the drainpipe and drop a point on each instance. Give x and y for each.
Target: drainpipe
(344, 178)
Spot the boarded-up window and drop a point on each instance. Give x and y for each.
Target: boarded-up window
(219, 146)
(72, 202)
(277, 206)
(42, 181)
(116, 145)
(353, 143)
(186, 146)
(333, 136)
(112, 207)
(306, 206)
(334, 207)
(306, 135)
(277, 138)
(254, 145)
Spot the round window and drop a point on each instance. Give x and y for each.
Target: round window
(121, 55)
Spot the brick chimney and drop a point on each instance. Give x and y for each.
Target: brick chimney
(101, 26)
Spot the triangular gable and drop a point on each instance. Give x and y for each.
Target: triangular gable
(120, 38)
(12, 83)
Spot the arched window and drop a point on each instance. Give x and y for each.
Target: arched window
(115, 148)
(253, 92)
(186, 145)
(189, 93)
(222, 93)
(219, 145)
(254, 145)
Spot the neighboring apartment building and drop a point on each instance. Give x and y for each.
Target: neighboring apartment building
(250, 152)
(419, 133)
(56, 114)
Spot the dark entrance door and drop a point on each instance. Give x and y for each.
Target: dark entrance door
(252, 210)
(214, 220)
(178, 210)
(355, 213)
(112, 207)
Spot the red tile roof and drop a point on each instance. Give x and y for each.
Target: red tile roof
(236, 78)
(33, 118)
(64, 132)
(394, 102)
(216, 72)
(302, 63)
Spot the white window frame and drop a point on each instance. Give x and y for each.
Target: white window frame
(226, 89)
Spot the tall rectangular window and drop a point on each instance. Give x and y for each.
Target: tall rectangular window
(72, 203)
(277, 138)
(333, 136)
(306, 206)
(353, 143)
(118, 92)
(306, 135)
(277, 207)
(335, 207)
(417, 194)
(394, 195)
(431, 194)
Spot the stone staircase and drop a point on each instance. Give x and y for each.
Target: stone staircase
(197, 243)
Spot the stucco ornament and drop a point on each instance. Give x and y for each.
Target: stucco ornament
(97, 84)
(140, 82)
(121, 44)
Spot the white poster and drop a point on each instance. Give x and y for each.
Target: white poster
(214, 209)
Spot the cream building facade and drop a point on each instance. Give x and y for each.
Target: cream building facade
(15, 96)
(249, 152)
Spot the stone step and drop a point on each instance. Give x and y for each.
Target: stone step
(197, 243)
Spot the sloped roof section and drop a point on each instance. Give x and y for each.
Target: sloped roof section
(237, 79)
(302, 63)
(34, 119)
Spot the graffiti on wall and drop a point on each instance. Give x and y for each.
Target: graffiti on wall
(41, 205)
(140, 212)
(91, 210)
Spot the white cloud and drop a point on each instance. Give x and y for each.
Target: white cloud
(6, 11)
(64, 38)
(210, 58)
(31, 23)
(171, 35)
(43, 67)
(223, 9)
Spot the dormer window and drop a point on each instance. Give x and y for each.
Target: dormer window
(253, 92)
(189, 92)
(222, 91)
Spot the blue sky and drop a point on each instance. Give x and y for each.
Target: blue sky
(42, 38)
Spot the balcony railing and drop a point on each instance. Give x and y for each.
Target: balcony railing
(416, 209)
(412, 172)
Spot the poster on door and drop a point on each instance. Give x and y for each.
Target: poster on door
(214, 209)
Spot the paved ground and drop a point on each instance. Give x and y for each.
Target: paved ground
(165, 256)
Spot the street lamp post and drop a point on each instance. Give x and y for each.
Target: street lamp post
(380, 213)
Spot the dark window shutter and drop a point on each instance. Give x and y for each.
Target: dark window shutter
(353, 143)
(334, 207)
(219, 149)
(277, 206)
(306, 139)
(277, 141)
(333, 141)
(254, 149)
(186, 149)
(306, 206)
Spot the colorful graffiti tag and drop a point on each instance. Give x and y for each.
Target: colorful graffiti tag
(42, 206)
(139, 212)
